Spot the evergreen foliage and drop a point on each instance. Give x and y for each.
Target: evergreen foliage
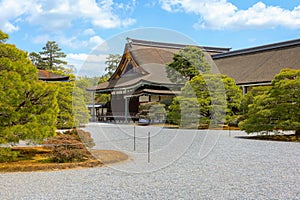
(28, 107)
(278, 107)
(36, 59)
(72, 106)
(80, 110)
(3, 37)
(207, 99)
(50, 58)
(65, 118)
(83, 83)
(112, 62)
(7, 155)
(152, 111)
(187, 63)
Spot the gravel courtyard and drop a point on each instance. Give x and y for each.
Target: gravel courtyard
(182, 164)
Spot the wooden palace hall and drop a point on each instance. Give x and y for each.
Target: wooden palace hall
(141, 75)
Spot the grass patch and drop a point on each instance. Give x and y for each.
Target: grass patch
(36, 154)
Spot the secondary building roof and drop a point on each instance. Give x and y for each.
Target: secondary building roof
(259, 64)
(45, 75)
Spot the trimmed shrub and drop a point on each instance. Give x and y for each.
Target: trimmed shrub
(82, 136)
(67, 148)
(152, 111)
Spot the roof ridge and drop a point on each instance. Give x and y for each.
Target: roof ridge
(156, 44)
(172, 45)
(260, 48)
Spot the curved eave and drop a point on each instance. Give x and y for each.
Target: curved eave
(55, 79)
(258, 83)
(131, 86)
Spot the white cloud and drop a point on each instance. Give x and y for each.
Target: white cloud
(9, 13)
(87, 58)
(221, 14)
(89, 31)
(9, 28)
(59, 15)
(73, 42)
(96, 40)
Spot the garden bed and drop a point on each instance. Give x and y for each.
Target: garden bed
(37, 159)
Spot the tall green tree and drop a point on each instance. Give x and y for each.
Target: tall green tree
(28, 107)
(80, 110)
(65, 117)
(249, 98)
(278, 108)
(209, 98)
(3, 37)
(50, 58)
(102, 97)
(72, 105)
(36, 59)
(187, 63)
(83, 83)
(112, 62)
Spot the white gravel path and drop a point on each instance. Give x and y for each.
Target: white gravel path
(184, 164)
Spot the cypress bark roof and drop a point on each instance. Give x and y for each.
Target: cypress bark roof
(147, 60)
(45, 75)
(259, 64)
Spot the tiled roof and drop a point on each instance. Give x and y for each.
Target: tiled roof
(50, 76)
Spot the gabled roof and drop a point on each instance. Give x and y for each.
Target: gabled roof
(149, 60)
(259, 64)
(45, 75)
(176, 47)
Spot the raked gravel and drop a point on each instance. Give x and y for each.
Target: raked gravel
(184, 164)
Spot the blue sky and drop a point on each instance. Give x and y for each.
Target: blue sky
(87, 30)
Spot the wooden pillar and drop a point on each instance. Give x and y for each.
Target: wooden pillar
(93, 108)
(126, 106)
(244, 89)
(126, 109)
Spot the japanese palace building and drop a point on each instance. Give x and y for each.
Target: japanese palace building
(141, 74)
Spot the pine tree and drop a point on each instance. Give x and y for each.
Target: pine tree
(112, 62)
(28, 107)
(278, 107)
(208, 99)
(187, 63)
(72, 106)
(51, 57)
